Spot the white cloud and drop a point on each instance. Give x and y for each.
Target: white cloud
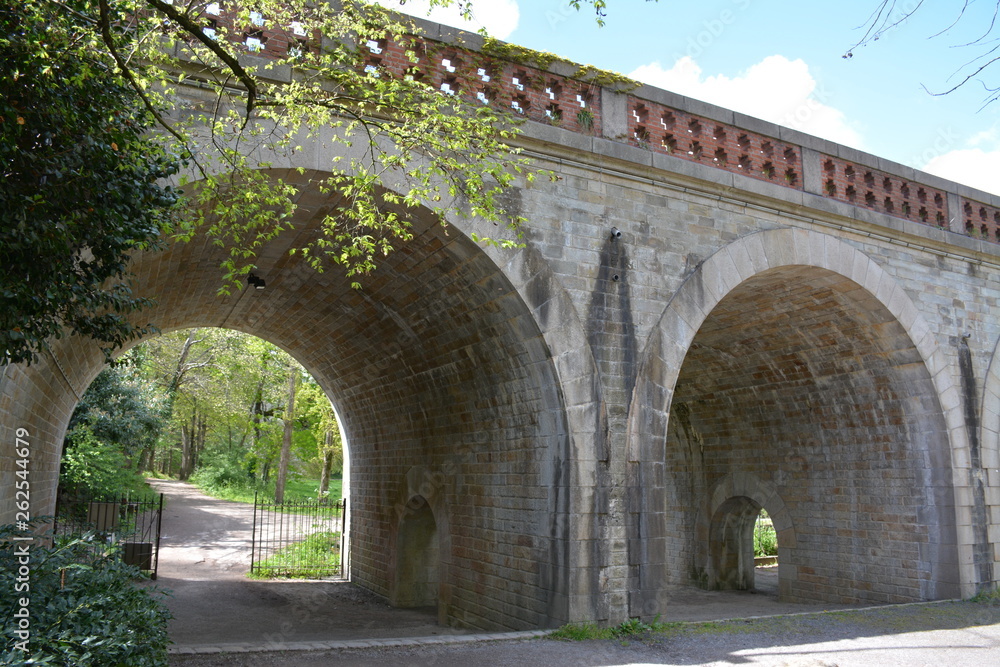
(499, 17)
(776, 89)
(975, 167)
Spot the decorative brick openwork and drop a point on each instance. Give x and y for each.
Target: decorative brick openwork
(666, 130)
(878, 191)
(981, 221)
(530, 92)
(575, 105)
(260, 36)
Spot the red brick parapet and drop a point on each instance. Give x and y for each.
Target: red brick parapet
(575, 102)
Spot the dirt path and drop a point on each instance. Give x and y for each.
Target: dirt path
(204, 557)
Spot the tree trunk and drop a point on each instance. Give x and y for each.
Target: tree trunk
(202, 432)
(189, 435)
(147, 460)
(324, 477)
(286, 440)
(255, 411)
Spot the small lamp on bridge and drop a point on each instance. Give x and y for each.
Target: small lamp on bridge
(255, 281)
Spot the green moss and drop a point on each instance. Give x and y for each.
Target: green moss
(544, 60)
(519, 54)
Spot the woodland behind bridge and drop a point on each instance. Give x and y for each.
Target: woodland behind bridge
(227, 411)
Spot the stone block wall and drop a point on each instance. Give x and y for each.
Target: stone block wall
(684, 335)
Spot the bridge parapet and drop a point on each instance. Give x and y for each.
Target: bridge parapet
(543, 88)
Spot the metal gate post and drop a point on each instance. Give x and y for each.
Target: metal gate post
(343, 537)
(253, 532)
(159, 526)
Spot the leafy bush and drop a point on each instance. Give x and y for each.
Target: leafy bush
(84, 609)
(91, 467)
(224, 475)
(765, 540)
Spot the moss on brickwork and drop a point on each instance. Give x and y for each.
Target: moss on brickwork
(544, 60)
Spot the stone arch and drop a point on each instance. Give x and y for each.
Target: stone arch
(453, 356)
(984, 470)
(785, 269)
(418, 557)
(732, 509)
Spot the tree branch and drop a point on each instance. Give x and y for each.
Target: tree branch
(192, 28)
(108, 39)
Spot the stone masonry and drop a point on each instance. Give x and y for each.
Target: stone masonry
(710, 315)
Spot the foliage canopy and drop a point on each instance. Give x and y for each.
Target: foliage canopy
(80, 183)
(84, 176)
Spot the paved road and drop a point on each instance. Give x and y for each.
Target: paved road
(941, 635)
(204, 557)
(205, 554)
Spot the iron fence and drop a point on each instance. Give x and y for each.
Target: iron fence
(133, 523)
(302, 538)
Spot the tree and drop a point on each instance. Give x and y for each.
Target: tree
(84, 81)
(318, 417)
(889, 15)
(79, 186)
(288, 427)
(112, 432)
(119, 410)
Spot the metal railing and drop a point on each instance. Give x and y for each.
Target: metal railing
(131, 523)
(302, 538)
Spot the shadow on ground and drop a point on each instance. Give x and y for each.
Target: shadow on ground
(205, 555)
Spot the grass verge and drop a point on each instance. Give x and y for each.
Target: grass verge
(318, 555)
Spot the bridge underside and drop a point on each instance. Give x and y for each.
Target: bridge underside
(447, 397)
(803, 395)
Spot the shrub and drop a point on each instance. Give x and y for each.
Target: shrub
(92, 468)
(84, 609)
(765, 540)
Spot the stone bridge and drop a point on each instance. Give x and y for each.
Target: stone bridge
(710, 315)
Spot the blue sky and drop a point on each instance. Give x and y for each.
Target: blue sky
(782, 60)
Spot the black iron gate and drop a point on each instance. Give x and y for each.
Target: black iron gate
(131, 523)
(302, 538)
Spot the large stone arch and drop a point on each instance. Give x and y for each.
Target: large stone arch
(861, 345)
(984, 473)
(452, 357)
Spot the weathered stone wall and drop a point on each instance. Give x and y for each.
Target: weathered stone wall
(567, 431)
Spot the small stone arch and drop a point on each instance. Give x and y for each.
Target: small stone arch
(728, 524)
(418, 557)
(420, 547)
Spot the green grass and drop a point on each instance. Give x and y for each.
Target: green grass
(295, 489)
(318, 555)
(984, 609)
(990, 597)
(765, 540)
